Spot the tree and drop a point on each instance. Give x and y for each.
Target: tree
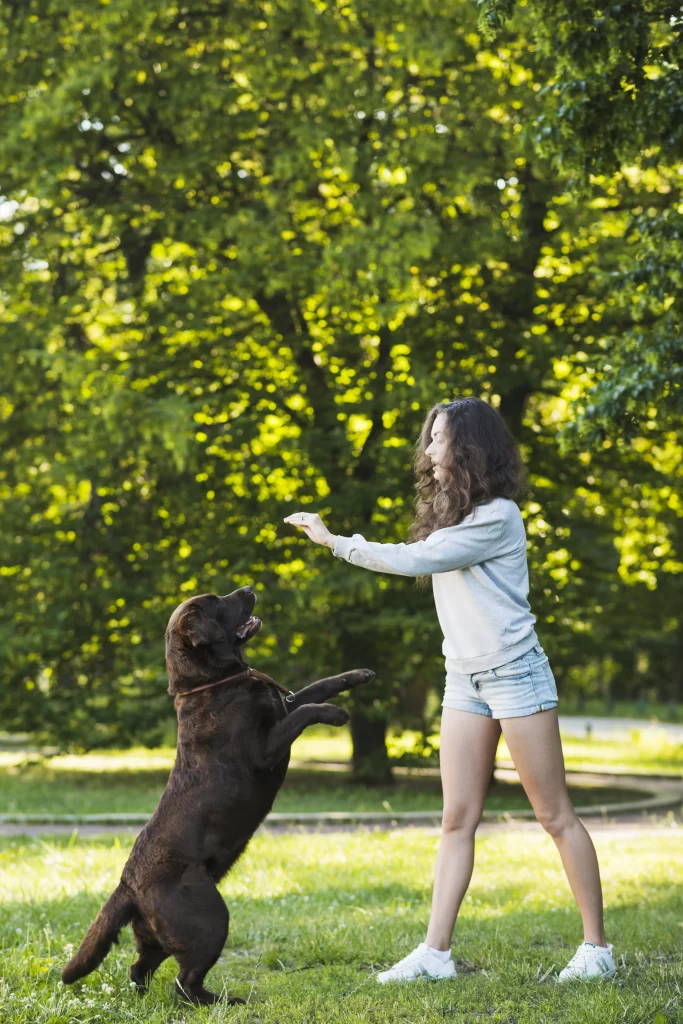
(242, 264)
(615, 102)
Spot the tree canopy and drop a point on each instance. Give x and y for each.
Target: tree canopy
(614, 103)
(245, 248)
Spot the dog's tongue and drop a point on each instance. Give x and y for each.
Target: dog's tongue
(248, 627)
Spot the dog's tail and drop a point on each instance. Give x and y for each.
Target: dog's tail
(102, 933)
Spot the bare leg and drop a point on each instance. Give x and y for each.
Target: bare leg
(536, 749)
(468, 751)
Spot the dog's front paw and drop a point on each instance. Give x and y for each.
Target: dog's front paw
(330, 714)
(356, 677)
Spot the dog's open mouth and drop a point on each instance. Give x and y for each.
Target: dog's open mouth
(248, 628)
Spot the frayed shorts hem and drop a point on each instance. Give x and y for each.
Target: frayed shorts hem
(517, 689)
(517, 713)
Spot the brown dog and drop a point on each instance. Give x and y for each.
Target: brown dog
(235, 729)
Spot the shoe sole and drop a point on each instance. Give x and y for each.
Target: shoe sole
(606, 975)
(420, 977)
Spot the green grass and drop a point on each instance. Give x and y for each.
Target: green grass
(640, 752)
(46, 788)
(132, 780)
(637, 753)
(652, 711)
(315, 916)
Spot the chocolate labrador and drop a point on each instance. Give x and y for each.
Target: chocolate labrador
(235, 729)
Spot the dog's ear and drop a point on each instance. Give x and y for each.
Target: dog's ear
(199, 629)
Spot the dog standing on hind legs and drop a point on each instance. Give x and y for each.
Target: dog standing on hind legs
(235, 729)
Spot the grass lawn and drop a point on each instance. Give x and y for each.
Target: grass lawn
(132, 780)
(315, 916)
(641, 752)
(56, 790)
(653, 711)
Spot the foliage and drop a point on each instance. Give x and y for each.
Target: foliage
(614, 104)
(242, 257)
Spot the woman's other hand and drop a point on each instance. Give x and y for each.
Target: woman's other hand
(313, 527)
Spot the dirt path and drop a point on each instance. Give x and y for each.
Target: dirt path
(621, 825)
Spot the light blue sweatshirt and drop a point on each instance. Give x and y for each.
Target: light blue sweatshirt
(480, 582)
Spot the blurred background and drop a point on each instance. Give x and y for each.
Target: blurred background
(244, 248)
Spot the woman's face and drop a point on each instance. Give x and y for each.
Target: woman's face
(439, 443)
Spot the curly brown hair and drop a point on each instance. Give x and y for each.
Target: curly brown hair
(482, 462)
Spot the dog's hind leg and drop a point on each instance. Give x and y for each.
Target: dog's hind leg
(198, 930)
(150, 956)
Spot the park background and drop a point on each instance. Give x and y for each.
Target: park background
(245, 247)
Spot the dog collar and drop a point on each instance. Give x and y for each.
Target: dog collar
(247, 673)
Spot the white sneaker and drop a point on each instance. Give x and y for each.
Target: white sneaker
(589, 961)
(421, 963)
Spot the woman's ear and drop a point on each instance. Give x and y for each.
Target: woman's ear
(195, 626)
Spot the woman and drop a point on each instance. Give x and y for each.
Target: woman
(469, 537)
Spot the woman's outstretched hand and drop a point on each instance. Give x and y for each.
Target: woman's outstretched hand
(313, 527)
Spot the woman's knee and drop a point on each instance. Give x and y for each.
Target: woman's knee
(460, 818)
(556, 820)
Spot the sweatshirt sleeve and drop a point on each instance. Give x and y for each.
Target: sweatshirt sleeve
(475, 539)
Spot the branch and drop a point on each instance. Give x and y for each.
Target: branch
(365, 466)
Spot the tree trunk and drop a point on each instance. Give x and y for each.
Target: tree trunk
(492, 778)
(370, 759)
(677, 681)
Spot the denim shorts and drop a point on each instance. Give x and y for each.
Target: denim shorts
(520, 687)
